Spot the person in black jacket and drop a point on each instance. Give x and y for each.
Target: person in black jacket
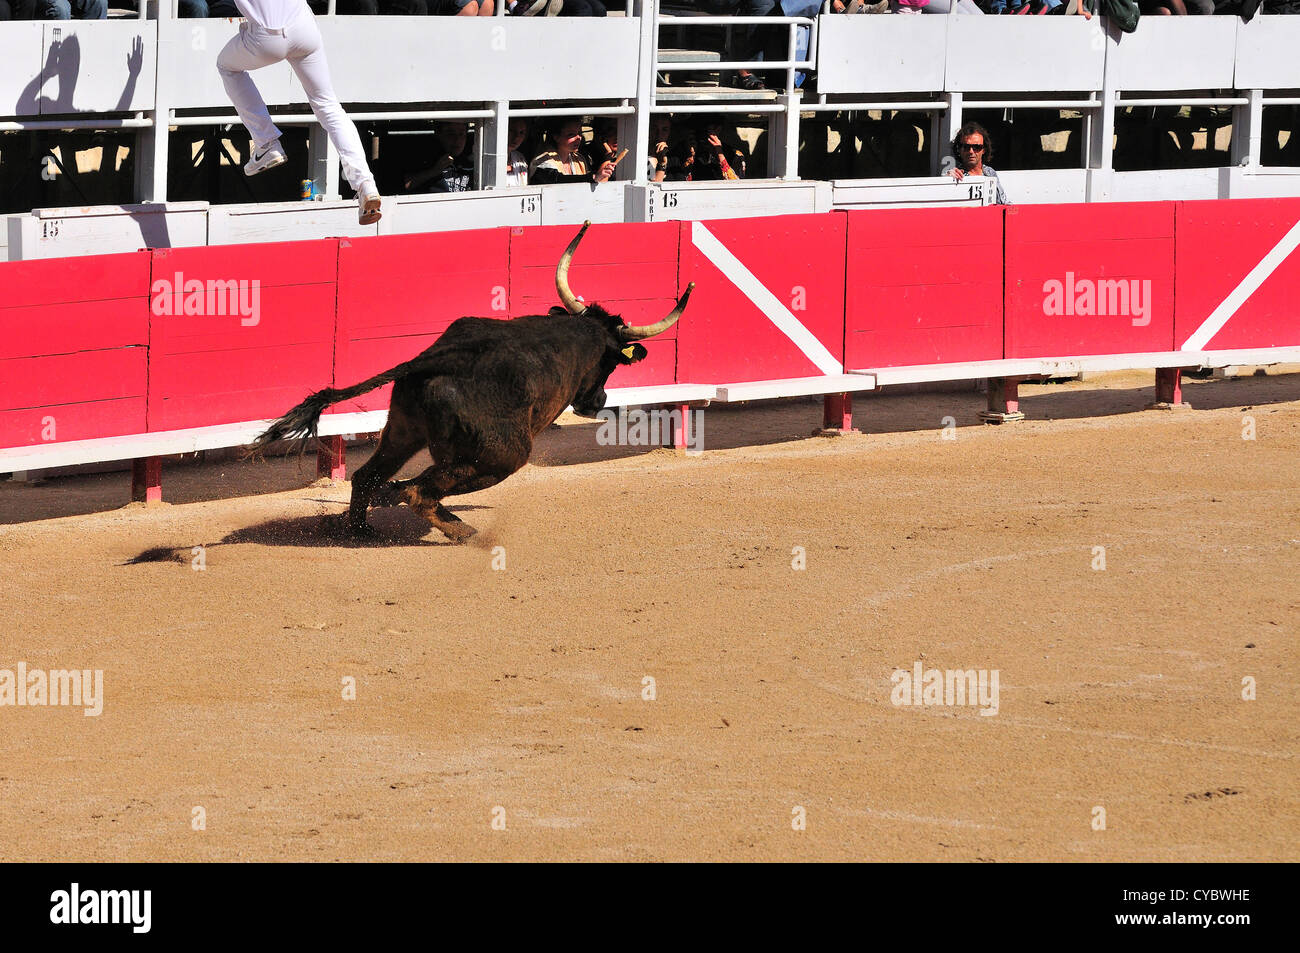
(565, 162)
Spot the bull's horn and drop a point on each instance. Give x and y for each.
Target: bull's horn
(567, 296)
(634, 333)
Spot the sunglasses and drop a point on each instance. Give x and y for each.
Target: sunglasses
(965, 147)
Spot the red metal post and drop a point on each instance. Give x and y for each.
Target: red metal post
(1169, 388)
(331, 458)
(146, 480)
(837, 413)
(1004, 401)
(681, 429)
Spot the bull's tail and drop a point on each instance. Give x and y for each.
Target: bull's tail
(303, 420)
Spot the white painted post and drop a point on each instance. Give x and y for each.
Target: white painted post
(1248, 130)
(648, 53)
(1101, 143)
(151, 143)
(946, 125)
(494, 146)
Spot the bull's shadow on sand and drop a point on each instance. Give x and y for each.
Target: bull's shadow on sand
(394, 526)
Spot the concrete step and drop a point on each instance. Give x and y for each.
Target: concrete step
(689, 56)
(724, 94)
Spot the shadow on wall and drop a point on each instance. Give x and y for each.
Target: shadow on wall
(63, 64)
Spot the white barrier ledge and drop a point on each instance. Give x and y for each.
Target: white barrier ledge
(797, 387)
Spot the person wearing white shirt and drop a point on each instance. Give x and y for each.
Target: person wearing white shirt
(276, 30)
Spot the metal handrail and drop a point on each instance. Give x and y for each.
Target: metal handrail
(790, 64)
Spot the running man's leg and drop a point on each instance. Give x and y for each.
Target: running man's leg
(251, 49)
(307, 57)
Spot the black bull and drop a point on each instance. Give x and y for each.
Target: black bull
(477, 397)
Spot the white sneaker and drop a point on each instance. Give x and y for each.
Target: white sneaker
(369, 204)
(268, 157)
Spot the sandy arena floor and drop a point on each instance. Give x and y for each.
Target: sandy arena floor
(517, 692)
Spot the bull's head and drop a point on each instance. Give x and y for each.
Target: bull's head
(621, 345)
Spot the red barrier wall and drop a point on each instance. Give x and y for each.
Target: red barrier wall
(214, 368)
(103, 346)
(74, 337)
(1219, 244)
(630, 270)
(728, 336)
(397, 293)
(1070, 268)
(923, 286)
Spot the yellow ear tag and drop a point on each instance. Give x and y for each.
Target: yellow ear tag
(630, 351)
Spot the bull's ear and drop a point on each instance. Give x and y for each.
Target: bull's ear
(632, 353)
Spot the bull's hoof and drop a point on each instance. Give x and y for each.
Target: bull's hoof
(458, 532)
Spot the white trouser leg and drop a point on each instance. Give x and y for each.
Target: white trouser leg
(307, 57)
(250, 49)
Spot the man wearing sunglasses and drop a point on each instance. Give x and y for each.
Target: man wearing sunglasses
(973, 148)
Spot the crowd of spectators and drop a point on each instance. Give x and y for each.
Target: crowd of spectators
(755, 41)
(679, 152)
(98, 9)
(753, 36)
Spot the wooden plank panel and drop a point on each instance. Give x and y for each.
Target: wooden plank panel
(83, 421)
(72, 378)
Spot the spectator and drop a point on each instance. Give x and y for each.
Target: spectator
(604, 145)
(533, 8)
(454, 170)
(963, 6)
(516, 164)
(70, 10)
(207, 9)
(756, 40)
(581, 8)
(1123, 13)
(972, 148)
(360, 8)
(715, 161)
(460, 8)
(681, 158)
(661, 132)
(565, 161)
(1177, 8)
